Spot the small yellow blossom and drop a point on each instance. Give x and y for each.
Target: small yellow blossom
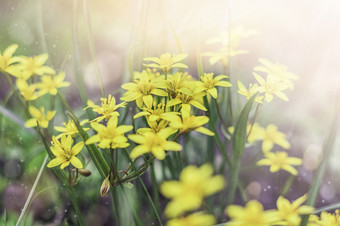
(165, 62)
(209, 82)
(35, 65)
(290, 212)
(154, 142)
(28, 92)
(230, 45)
(271, 87)
(272, 136)
(156, 113)
(188, 123)
(111, 135)
(175, 83)
(51, 83)
(65, 154)
(141, 90)
(280, 160)
(7, 59)
(195, 219)
(39, 117)
(276, 70)
(328, 219)
(107, 110)
(70, 128)
(187, 194)
(251, 215)
(192, 95)
(253, 89)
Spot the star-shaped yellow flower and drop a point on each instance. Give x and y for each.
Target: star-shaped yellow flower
(39, 117)
(51, 83)
(290, 212)
(251, 215)
(272, 136)
(65, 154)
(165, 62)
(35, 65)
(188, 123)
(7, 59)
(280, 160)
(209, 82)
(111, 135)
(187, 194)
(28, 92)
(253, 89)
(142, 90)
(154, 142)
(70, 128)
(107, 109)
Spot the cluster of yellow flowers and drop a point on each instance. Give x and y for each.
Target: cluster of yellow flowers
(171, 103)
(278, 79)
(33, 80)
(271, 136)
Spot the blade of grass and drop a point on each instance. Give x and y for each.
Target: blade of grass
(29, 198)
(327, 150)
(239, 141)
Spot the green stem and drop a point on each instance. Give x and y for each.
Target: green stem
(29, 198)
(145, 190)
(154, 185)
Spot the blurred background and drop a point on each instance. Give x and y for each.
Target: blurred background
(303, 35)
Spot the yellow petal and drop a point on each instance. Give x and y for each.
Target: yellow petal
(76, 162)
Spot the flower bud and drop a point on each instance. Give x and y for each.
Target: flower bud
(84, 172)
(104, 189)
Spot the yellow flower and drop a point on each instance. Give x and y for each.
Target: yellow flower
(141, 90)
(280, 160)
(276, 70)
(65, 154)
(271, 87)
(230, 45)
(328, 219)
(174, 83)
(209, 83)
(7, 59)
(154, 142)
(50, 83)
(165, 62)
(272, 136)
(70, 128)
(191, 95)
(111, 135)
(35, 65)
(253, 89)
(251, 215)
(40, 117)
(107, 110)
(190, 123)
(195, 219)
(28, 92)
(290, 212)
(187, 194)
(156, 113)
